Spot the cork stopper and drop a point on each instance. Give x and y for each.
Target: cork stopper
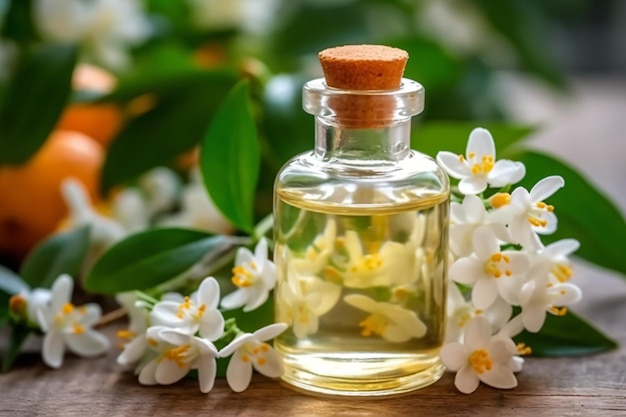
(374, 70)
(363, 67)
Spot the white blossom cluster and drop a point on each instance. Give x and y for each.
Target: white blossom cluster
(498, 255)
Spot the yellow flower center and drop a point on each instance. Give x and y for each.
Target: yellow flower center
(497, 265)
(558, 311)
(522, 349)
(374, 324)
(187, 305)
(126, 334)
(480, 361)
(17, 303)
(562, 272)
(245, 275)
(255, 352)
(537, 211)
(177, 355)
(368, 263)
(499, 200)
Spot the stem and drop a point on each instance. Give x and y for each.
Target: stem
(111, 317)
(264, 226)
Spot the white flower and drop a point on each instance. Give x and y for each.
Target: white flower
(303, 299)
(105, 28)
(539, 297)
(197, 209)
(555, 258)
(157, 192)
(249, 351)
(387, 267)
(177, 354)
(461, 312)
(479, 167)
(490, 270)
(530, 214)
(390, 321)
(135, 336)
(103, 232)
(480, 357)
(317, 255)
(254, 275)
(198, 313)
(465, 218)
(64, 324)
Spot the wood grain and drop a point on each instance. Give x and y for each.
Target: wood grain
(579, 386)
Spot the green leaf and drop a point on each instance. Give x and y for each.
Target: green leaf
(144, 260)
(34, 100)
(17, 22)
(229, 158)
(178, 122)
(583, 212)
(11, 283)
(59, 254)
(4, 307)
(19, 334)
(567, 335)
(432, 137)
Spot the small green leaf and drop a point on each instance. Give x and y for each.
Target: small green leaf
(583, 212)
(4, 307)
(19, 334)
(568, 335)
(146, 259)
(432, 137)
(11, 283)
(59, 254)
(177, 123)
(34, 100)
(230, 158)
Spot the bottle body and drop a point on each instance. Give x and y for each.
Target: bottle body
(361, 226)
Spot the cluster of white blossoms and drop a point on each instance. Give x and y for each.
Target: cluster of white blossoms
(497, 253)
(63, 324)
(167, 339)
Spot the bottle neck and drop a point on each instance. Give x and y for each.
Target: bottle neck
(368, 146)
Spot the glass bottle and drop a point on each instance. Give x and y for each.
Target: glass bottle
(361, 226)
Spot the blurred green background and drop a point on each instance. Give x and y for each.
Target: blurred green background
(155, 72)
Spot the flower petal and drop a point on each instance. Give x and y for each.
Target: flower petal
(243, 256)
(272, 367)
(168, 372)
(147, 374)
(90, 314)
(87, 344)
(465, 271)
(451, 163)
(269, 332)
(500, 376)
(533, 318)
(563, 247)
(484, 243)
(61, 292)
(133, 351)
(260, 251)
(477, 334)
(546, 187)
(166, 312)
(239, 373)
(466, 380)
(475, 184)
(454, 356)
(568, 294)
(484, 293)
(209, 293)
(474, 209)
(235, 299)
(207, 369)
(175, 337)
(53, 349)
(258, 297)
(506, 172)
(212, 325)
(480, 143)
(550, 225)
(234, 345)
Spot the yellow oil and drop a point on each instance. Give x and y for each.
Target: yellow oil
(362, 287)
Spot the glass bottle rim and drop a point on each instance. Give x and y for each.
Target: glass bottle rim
(403, 102)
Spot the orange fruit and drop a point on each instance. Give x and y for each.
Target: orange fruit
(31, 205)
(100, 121)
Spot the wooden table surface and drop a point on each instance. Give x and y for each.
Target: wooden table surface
(582, 386)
